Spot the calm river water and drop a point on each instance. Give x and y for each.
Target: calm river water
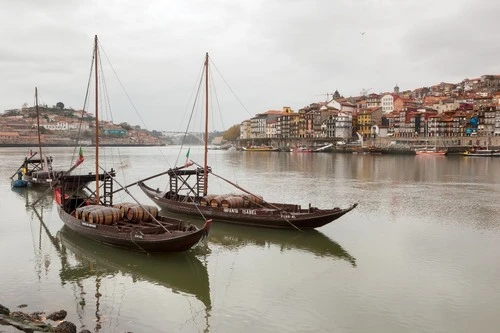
(419, 253)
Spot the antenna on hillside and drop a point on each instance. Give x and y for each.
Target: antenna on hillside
(327, 95)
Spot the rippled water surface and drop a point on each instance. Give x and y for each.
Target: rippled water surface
(419, 253)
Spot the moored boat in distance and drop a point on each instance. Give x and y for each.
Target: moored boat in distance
(20, 182)
(260, 148)
(482, 153)
(430, 152)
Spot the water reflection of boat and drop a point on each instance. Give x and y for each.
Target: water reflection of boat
(181, 272)
(311, 241)
(37, 195)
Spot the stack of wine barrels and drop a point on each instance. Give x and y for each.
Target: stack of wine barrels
(144, 213)
(124, 206)
(98, 214)
(104, 215)
(205, 201)
(232, 202)
(217, 200)
(83, 212)
(252, 200)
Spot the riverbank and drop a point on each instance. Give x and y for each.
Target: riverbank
(36, 321)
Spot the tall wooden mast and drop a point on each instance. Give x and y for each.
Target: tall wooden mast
(205, 167)
(38, 125)
(96, 123)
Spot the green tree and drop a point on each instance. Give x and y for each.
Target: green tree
(126, 126)
(60, 105)
(12, 113)
(232, 134)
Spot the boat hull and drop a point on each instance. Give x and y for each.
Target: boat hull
(19, 183)
(482, 153)
(265, 148)
(136, 239)
(430, 153)
(256, 217)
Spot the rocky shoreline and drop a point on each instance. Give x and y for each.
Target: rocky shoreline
(36, 321)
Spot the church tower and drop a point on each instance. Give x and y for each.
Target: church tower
(396, 89)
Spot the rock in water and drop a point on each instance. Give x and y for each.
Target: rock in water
(66, 327)
(58, 315)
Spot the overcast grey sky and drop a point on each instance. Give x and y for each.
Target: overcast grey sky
(272, 53)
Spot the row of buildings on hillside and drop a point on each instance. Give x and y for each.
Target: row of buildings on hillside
(471, 107)
(64, 127)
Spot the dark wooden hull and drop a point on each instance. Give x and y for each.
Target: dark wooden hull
(138, 238)
(257, 217)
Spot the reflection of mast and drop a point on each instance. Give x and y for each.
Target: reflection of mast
(208, 305)
(97, 303)
(61, 251)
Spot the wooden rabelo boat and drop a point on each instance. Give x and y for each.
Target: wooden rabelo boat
(188, 194)
(83, 260)
(93, 214)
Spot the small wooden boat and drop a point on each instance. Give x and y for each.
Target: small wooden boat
(254, 213)
(430, 152)
(19, 183)
(188, 194)
(481, 153)
(37, 170)
(93, 214)
(108, 224)
(260, 148)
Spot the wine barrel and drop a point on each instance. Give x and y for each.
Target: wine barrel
(104, 215)
(150, 212)
(232, 202)
(216, 202)
(134, 213)
(82, 212)
(205, 201)
(144, 213)
(252, 200)
(123, 207)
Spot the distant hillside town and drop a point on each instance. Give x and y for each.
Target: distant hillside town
(60, 126)
(468, 108)
(465, 109)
